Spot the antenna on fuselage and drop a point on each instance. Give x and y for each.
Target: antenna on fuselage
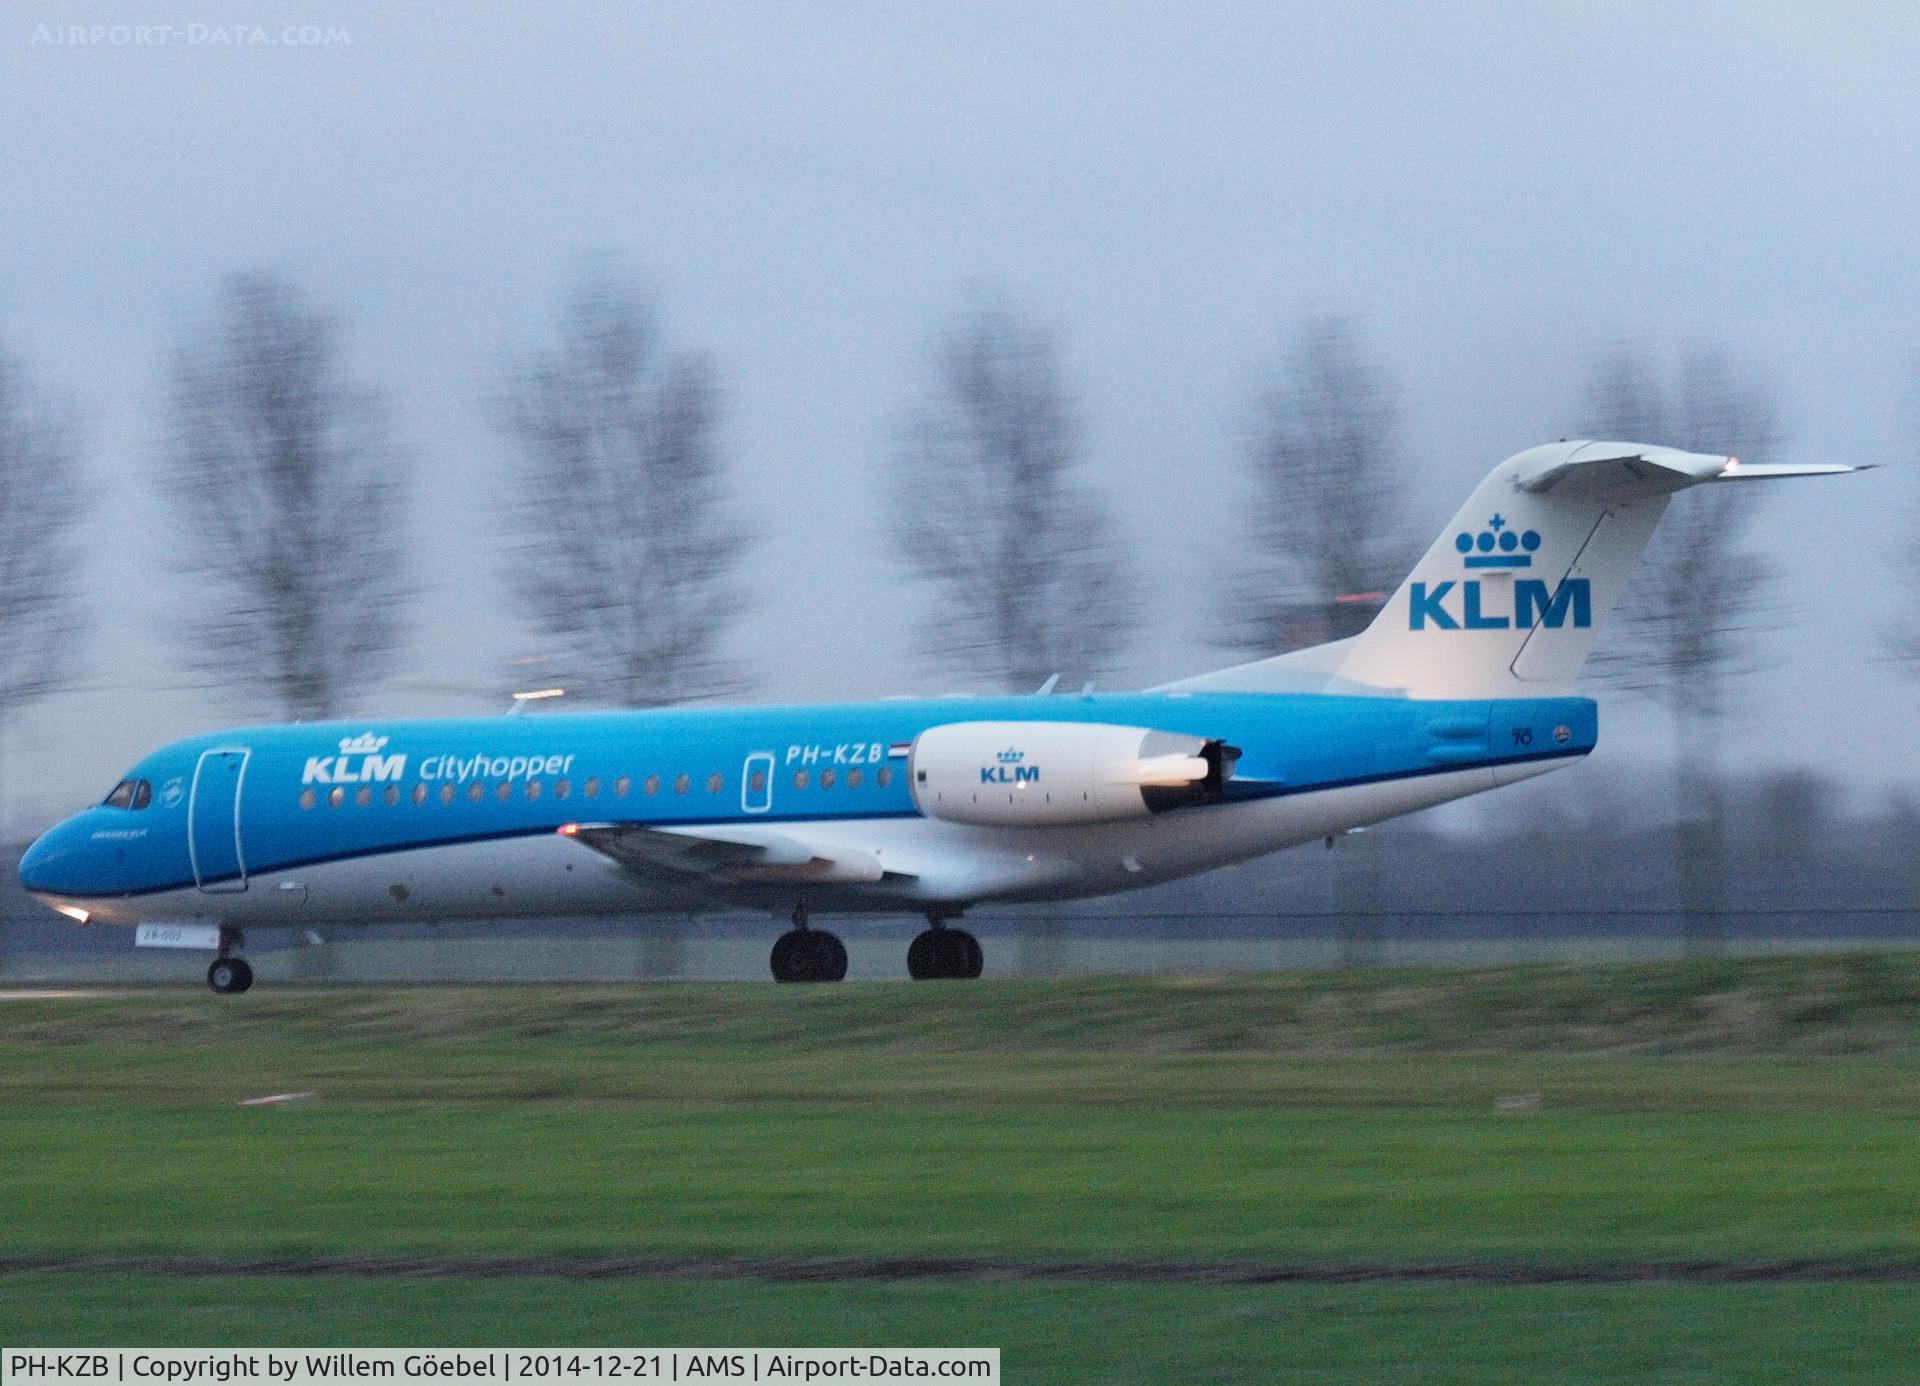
(1052, 683)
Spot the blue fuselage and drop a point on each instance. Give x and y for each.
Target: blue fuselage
(209, 814)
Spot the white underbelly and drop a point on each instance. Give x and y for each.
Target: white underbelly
(928, 863)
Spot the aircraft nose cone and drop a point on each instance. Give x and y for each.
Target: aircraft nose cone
(41, 866)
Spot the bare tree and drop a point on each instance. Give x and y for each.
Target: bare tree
(1326, 538)
(1682, 629)
(40, 507)
(630, 541)
(994, 516)
(1903, 639)
(284, 486)
(1327, 532)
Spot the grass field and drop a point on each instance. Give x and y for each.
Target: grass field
(1272, 1184)
(1760, 1111)
(1054, 1333)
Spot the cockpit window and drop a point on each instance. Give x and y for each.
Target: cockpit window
(130, 794)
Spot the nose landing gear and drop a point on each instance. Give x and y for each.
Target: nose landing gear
(939, 953)
(229, 975)
(808, 955)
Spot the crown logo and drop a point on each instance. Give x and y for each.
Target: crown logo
(1011, 756)
(365, 744)
(1498, 545)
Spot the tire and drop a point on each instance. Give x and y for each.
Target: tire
(786, 960)
(951, 956)
(808, 955)
(830, 957)
(245, 980)
(224, 975)
(976, 955)
(920, 961)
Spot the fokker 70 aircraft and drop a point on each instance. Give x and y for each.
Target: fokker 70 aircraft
(1461, 684)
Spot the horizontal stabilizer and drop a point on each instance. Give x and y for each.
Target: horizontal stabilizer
(1622, 471)
(1736, 470)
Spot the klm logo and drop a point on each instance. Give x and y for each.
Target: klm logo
(1532, 605)
(1467, 605)
(1498, 546)
(1010, 770)
(359, 762)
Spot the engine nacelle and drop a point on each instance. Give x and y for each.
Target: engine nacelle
(1026, 774)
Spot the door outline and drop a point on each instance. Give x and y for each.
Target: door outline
(227, 887)
(751, 802)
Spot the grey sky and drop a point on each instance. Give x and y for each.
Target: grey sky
(1495, 189)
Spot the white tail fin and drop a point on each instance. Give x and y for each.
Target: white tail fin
(1509, 599)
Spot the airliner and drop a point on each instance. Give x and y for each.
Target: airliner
(1462, 683)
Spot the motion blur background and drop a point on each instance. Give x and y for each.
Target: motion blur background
(371, 362)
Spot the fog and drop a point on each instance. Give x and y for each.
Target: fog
(1492, 192)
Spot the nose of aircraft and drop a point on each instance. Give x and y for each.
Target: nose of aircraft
(48, 866)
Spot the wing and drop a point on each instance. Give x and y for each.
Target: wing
(730, 855)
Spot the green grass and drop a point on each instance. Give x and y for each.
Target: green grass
(1757, 1110)
(1112, 1333)
(1283, 1184)
(1838, 1033)
(1825, 1005)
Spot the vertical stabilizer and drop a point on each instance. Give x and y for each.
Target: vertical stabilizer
(1508, 600)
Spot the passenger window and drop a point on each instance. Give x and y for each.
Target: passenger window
(714, 783)
(122, 795)
(592, 787)
(561, 789)
(883, 776)
(826, 779)
(336, 797)
(419, 794)
(142, 794)
(680, 783)
(446, 793)
(362, 797)
(533, 789)
(853, 779)
(758, 782)
(652, 786)
(504, 792)
(476, 792)
(307, 799)
(391, 795)
(799, 779)
(622, 786)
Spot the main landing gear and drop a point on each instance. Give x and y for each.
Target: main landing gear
(804, 954)
(228, 974)
(808, 955)
(940, 953)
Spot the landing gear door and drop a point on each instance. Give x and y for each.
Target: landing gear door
(213, 821)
